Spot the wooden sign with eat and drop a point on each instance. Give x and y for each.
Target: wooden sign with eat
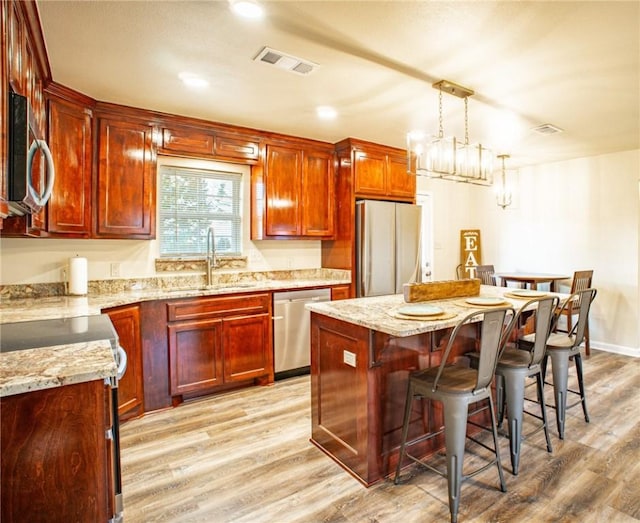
(470, 251)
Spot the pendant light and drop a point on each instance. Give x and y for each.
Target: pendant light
(445, 157)
(503, 194)
(432, 156)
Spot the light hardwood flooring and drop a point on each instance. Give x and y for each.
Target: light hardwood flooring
(245, 456)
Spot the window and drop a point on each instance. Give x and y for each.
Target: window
(191, 200)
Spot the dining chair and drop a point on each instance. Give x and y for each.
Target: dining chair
(460, 274)
(562, 348)
(486, 274)
(581, 281)
(456, 387)
(513, 369)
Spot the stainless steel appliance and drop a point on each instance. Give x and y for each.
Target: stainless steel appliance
(29, 160)
(291, 342)
(47, 333)
(388, 247)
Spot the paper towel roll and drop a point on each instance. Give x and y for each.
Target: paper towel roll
(78, 276)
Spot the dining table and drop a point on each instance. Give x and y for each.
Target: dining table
(532, 279)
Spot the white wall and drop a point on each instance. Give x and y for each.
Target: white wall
(41, 260)
(566, 216)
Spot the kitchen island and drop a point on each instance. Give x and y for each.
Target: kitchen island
(361, 356)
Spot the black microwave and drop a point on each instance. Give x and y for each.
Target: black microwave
(30, 166)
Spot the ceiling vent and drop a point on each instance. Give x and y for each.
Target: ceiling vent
(285, 61)
(547, 129)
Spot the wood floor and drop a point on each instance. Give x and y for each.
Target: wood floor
(245, 457)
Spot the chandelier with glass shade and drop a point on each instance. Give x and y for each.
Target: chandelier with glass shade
(441, 156)
(503, 193)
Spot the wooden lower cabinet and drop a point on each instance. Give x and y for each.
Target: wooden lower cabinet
(246, 347)
(195, 355)
(340, 292)
(216, 342)
(126, 321)
(56, 461)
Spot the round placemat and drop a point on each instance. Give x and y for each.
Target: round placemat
(518, 297)
(441, 316)
(463, 303)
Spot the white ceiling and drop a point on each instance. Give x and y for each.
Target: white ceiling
(571, 64)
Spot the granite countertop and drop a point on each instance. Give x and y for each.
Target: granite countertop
(378, 313)
(51, 307)
(48, 367)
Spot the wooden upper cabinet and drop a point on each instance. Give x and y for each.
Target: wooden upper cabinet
(399, 182)
(282, 190)
(209, 143)
(293, 193)
(69, 209)
(318, 194)
(16, 42)
(188, 141)
(126, 180)
(370, 173)
(379, 172)
(237, 147)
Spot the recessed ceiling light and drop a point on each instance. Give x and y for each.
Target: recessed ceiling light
(247, 8)
(193, 80)
(326, 112)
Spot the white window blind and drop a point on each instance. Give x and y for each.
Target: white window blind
(191, 200)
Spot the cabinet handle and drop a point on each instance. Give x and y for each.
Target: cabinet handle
(122, 362)
(274, 318)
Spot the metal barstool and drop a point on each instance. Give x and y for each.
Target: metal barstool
(515, 366)
(456, 387)
(562, 348)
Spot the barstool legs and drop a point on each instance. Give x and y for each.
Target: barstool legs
(514, 384)
(455, 428)
(515, 406)
(560, 371)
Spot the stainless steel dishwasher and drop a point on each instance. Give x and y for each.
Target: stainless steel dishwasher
(291, 341)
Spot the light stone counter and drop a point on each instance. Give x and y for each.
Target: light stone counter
(52, 307)
(47, 367)
(377, 313)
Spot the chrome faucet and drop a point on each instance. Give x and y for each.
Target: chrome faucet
(212, 262)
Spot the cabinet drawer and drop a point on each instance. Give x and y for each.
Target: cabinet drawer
(211, 307)
(187, 141)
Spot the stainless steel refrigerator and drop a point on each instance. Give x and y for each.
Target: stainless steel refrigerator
(387, 246)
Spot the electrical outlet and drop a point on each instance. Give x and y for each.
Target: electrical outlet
(349, 358)
(115, 269)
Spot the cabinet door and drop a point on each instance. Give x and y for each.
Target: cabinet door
(247, 351)
(195, 356)
(342, 292)
(400, 183)
(126, 321)
(54, 465)
(318, 194)
(126, 180)
(16, 39)
(282, 191)
(237, 147)
(369, 170)
(69, 209)
(188, 141)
